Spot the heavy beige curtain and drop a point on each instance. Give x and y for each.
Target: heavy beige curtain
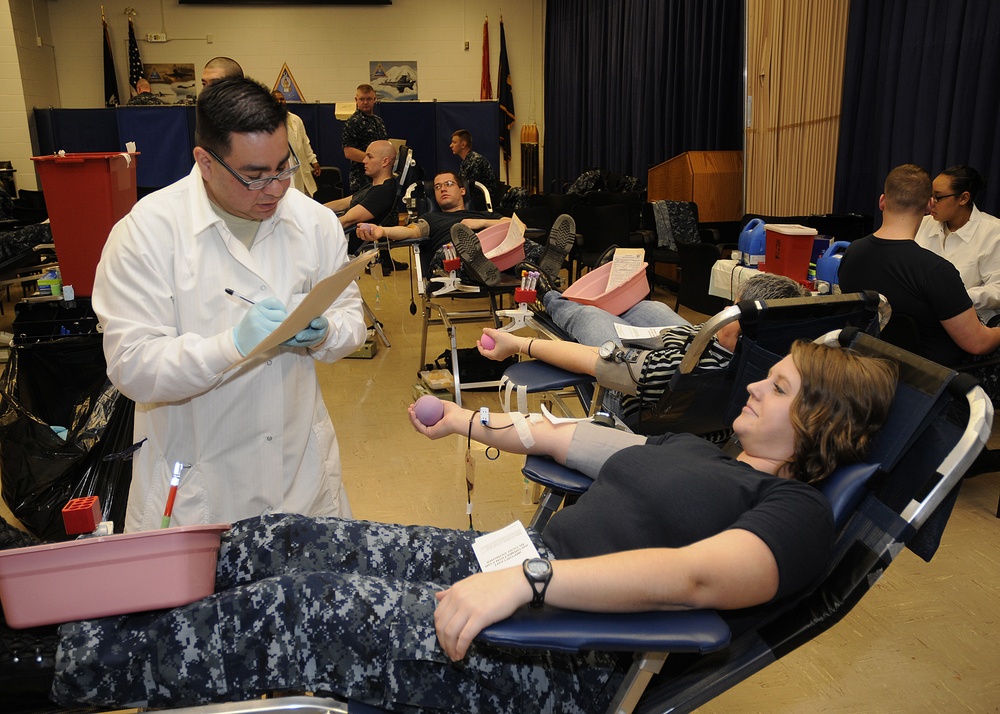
(795, 67)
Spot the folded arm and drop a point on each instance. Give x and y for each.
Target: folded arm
(733, 569)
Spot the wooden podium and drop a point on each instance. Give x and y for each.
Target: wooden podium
(712, 179)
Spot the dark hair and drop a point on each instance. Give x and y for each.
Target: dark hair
(908, 189)
(235, 106)
(842, 403)
(230, 68)
(965, 178)
(463, 135)
(458, 179)
(365, 89)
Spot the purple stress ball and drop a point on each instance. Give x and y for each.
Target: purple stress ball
(487, 342)
(429, 410)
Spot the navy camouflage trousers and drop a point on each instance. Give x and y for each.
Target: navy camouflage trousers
(328, 606)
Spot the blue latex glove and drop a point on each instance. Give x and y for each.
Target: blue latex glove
(312, 335)
(260, 321)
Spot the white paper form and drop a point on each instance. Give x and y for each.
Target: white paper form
(504, 548)
(514, 237)
(626, 263)
(313, 305)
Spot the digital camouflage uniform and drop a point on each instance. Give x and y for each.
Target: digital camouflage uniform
(145, 100)
(328, 606)
(475, 167)
(360, 130)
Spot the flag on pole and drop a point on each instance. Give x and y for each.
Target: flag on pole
(135, 71)
(505, 96)
(110, 78)
(485, 86)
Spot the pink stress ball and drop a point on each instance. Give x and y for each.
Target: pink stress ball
(429, 410)
(487, 342)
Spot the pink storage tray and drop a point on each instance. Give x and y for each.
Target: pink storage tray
(108, 575)
(490, 238)
(591, 289)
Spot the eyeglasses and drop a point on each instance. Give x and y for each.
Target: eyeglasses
(449, 184)
(947, 195)
(258, 183)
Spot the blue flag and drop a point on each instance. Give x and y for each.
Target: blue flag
(506, 97)
(111, 96)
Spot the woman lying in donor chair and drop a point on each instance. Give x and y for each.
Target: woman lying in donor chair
(638, 379)
(388, 614)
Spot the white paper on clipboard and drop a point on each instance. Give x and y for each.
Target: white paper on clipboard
(313, 305)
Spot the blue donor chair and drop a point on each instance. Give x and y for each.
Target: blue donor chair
(902, 497)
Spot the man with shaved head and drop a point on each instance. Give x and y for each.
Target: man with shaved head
(220, 68)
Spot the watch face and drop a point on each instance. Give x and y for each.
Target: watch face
(607, 350)
(537, 566)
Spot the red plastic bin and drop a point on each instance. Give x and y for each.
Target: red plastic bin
(789, 250)
(85, 194)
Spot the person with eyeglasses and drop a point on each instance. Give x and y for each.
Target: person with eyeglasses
(172, 292)
(932, 313)
(970, 239)
(435, 227)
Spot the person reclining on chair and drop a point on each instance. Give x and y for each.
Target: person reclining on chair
(377, 612)
(374, 202)
(635, 379)
(454, 224)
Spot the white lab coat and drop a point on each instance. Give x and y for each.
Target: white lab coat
(975, 250)
(303, 180)
(258, 437)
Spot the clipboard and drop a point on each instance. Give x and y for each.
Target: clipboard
(313, 305)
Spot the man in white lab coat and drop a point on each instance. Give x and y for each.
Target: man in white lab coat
(257, 438)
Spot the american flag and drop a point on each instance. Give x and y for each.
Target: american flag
(135, 71)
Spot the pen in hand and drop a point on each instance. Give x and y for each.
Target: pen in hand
(230, 291)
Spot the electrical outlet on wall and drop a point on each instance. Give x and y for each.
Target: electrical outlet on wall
(156, 37)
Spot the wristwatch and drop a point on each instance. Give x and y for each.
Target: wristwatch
(608, 351)
(538, 571)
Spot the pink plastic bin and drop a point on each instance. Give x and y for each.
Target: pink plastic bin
(490, 238)
(108, 575)
(591, 289)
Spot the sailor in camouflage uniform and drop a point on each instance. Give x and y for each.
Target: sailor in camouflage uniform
(360, 130)
(328, 606)
(474, 166)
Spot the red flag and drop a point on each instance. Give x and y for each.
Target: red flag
(485, 85)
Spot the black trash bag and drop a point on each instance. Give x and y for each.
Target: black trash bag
(62, 383)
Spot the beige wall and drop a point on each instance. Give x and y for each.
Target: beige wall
(27, 79)
(327, 48)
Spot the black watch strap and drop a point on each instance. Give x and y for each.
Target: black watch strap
(538, 571)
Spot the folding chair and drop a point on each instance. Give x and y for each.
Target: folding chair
(902, 496)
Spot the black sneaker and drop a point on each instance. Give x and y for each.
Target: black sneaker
(562, 236)
(475, 264)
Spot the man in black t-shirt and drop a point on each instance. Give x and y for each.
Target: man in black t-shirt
(374, 202)
(921, 287)
(435, 227)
